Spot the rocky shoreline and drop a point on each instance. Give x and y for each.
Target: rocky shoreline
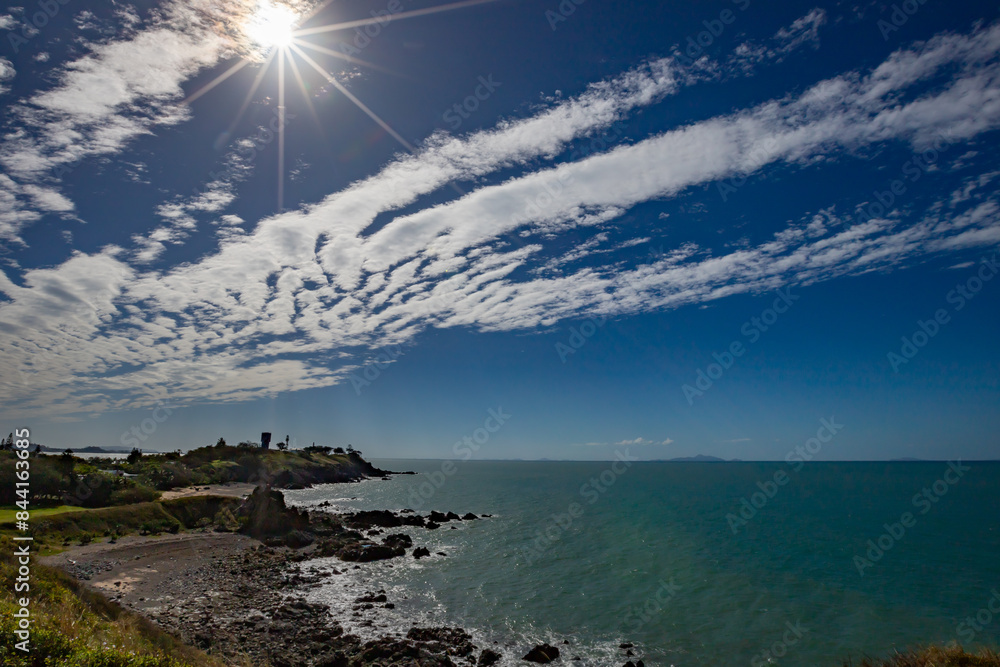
(242, 597)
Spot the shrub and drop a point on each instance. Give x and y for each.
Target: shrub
(134, 493)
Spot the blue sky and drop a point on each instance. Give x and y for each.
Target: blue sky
(676, 229)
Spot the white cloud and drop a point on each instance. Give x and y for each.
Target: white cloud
(103, 100)
(804, 30)
(7, 72)
(298, 300)
(642, 441)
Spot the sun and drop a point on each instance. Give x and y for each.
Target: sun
(271, 32)
(272, 25)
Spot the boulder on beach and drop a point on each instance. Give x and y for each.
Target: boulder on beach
(488, 657)
(451, 641)
(542, 654)
(264, 514)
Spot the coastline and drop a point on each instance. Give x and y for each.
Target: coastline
(245, 598)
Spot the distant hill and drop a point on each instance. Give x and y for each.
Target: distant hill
(701, 457)
(96, 450)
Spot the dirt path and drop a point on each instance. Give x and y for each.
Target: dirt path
(232, 490)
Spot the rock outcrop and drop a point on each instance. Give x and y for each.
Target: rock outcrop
(542, 654)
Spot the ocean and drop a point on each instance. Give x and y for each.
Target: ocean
(694, 563)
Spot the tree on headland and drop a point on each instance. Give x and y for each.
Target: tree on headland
(133, 456)
(221, 442)
(338, 450)
(8, 444)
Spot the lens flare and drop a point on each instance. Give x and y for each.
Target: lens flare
(272, 25)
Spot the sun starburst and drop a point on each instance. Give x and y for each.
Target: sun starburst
(272, 25)
(266, 32)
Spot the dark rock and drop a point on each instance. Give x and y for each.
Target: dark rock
(366, 552)
(452, 641)
(453, 517)
(299, 538)
(432, 526)
(469, 517)
(629, 654)
(264, 514)
(420, 552)
(629, 664)
(626, 645)
(371, 597)
(367, 519)
(488, 657)
(338, 659)
(542, 654)
(414, 520)
(438, 517)
(397, 540)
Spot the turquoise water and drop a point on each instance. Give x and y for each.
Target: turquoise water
(647, 555)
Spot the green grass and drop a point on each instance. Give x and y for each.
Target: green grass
(75, 627)
(7, 514)
(54, 531)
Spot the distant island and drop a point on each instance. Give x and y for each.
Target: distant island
(96, 450)
(703, 458)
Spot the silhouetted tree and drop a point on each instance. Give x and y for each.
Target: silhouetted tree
(134, 456)
(221, 442)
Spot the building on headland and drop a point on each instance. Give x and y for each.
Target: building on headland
(265, 440)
